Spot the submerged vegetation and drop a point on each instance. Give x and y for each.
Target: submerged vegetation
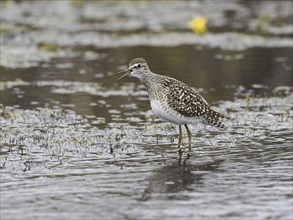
(61, 134)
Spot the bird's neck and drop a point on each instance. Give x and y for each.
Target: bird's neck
(154, 84)
(150, 79)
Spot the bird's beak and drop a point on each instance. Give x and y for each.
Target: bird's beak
(126, 72)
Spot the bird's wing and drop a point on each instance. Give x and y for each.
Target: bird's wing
(185, 100)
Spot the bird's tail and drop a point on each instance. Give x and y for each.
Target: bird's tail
(215, 118)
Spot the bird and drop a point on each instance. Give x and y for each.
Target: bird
(172, 100)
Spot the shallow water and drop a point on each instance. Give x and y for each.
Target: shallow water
(77, 144)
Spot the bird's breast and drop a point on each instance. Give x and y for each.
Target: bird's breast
(164, 111)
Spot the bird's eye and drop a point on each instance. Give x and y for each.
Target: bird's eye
(138, 65)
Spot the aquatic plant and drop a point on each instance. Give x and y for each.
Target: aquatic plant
(199, 25)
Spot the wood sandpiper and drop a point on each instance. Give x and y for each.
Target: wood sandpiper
(172, 100)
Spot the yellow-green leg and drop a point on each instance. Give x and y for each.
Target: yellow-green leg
(180, 136)
(189, 135)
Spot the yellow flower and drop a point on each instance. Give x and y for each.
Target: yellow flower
(198, 25)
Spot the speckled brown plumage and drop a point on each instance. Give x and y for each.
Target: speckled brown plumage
(187, 102)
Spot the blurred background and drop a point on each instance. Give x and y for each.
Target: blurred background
(77, 144)
(51, 49)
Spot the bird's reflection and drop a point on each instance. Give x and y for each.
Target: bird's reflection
(177, 176)
(181, 156)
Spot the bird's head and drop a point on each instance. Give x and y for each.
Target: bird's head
(138, 67)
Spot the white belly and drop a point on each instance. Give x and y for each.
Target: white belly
(170, 115)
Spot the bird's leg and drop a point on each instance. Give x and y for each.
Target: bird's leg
(179, 145)
(180, 136)
(189, 135)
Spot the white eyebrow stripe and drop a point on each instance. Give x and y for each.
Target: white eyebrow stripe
(134, 65)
